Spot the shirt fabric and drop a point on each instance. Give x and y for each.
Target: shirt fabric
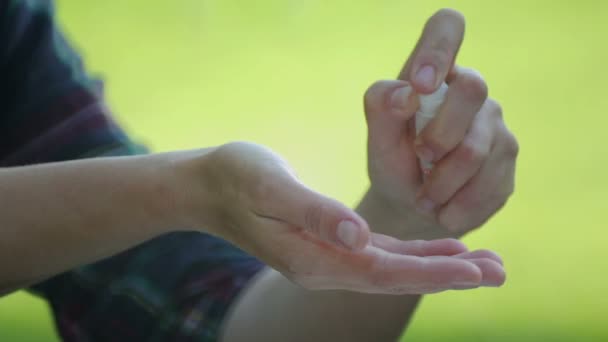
(176, 287)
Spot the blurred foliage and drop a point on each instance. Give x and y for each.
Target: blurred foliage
(290, 74)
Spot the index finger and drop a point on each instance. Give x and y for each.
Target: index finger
(435, 52)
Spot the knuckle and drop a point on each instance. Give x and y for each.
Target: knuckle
(505, 194)
(511, 145)
(372, 91)
(374, 88)
(375, 98)
(469, 152)
(495, 107)
(473, 86)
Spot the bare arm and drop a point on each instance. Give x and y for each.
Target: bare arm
(242, 192)
(57, 216)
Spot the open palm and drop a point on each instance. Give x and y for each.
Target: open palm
(296, 231)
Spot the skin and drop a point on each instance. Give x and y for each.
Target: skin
(248, 195)
(51, 223)
(474, 156)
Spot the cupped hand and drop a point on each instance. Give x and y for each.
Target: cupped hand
(252, 198)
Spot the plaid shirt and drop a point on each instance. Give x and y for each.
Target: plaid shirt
(177, 287)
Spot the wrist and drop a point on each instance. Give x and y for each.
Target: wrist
(159, 194)
(194, 195)
(397, 218)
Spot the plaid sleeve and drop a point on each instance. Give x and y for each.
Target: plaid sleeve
(51, 110)
(177, 287)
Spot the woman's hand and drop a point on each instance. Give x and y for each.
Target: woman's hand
(468, 142)
(248, 195)
(236, 189)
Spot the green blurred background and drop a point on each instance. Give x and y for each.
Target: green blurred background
(290, 74)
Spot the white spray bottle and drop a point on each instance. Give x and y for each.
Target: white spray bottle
(429, 105)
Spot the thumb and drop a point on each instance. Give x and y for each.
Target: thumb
(388, 107)
(324, 217)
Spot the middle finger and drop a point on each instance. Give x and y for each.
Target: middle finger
(460, 165)
(465, 96)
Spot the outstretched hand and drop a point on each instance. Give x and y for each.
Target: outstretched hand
(254, 200)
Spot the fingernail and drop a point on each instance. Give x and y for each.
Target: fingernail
(425, 76)
(400, 97)
(424, 153)
(348, 233)
(425, 205)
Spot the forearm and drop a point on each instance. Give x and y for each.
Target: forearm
(273, 308)
(61, 215)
